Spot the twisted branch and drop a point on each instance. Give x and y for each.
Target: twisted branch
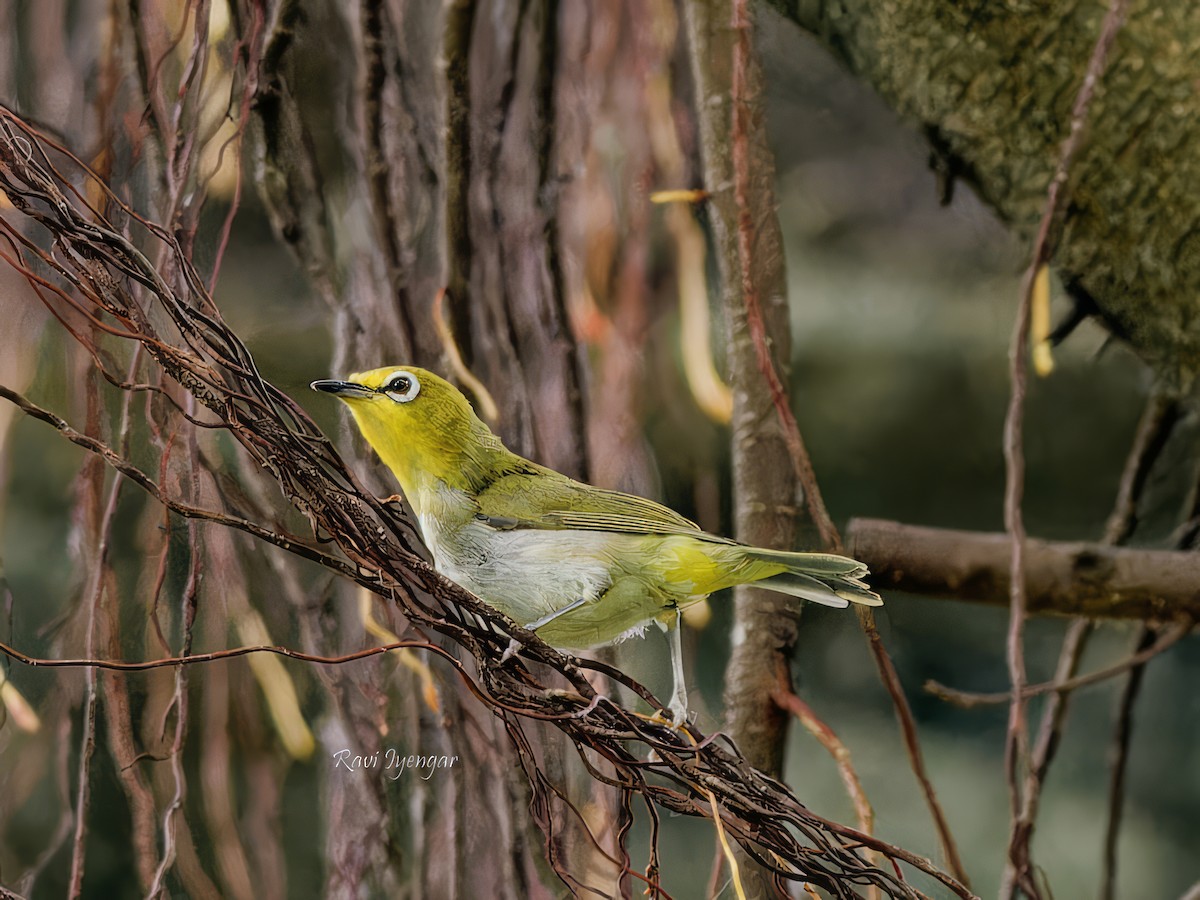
(183, 333)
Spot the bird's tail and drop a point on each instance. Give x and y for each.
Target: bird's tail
(820, 577)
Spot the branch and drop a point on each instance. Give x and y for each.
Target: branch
(1018, 868)
(743, 219)
(736, 167)
(967, 699)
(1063, 578)
(1118, 755)
(196, 349)
(793, 704)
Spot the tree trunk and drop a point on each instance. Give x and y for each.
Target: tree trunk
(992, 84)
(749, 256)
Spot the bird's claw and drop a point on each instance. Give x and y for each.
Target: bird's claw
(514, 647)
(673, 717)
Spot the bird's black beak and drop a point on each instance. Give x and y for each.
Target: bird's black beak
(343, 388)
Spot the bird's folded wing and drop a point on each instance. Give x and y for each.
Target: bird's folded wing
(542, 498)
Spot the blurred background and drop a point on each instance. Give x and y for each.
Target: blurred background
(901, 316)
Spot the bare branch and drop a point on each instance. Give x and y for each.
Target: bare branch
(1018, 870)
(286, 542)
(1066, 578)
(967, 699)
(723, 66)
(828, 739)
(1118, 756)
(97, 534)
(184, 335)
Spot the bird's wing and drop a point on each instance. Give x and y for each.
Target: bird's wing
(536, 497)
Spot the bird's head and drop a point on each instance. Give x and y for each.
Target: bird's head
(421, 426)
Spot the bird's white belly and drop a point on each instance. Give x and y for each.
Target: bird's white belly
(526, 573)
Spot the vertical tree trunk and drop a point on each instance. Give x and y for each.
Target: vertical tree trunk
(749, 254)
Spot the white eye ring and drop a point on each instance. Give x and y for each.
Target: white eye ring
(403, 387)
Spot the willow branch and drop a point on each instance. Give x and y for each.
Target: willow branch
(184, 336)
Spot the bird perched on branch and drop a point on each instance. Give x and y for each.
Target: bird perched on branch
(579, 565)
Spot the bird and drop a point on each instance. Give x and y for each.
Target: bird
(581, 566)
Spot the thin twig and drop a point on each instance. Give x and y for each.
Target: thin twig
(185, 336)
(1054, 717)
(797, 450)
(1118, 757)
(1016, 735)
(179, 700)
(912, 744)
(1018, 867)
(1153, 430)
(746, 233)
(141, 479)
(969, 700)
(253, 47)
(98, 589)
(235, 652)
(63, 827)
(1158, 421)
(826, 737)
(122, 665)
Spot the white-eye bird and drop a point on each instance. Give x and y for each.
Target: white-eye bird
(579, 565)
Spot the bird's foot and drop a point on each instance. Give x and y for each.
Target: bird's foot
(662, 717)
(673, 716)
(679, 713)
(514, 647)
(394, 498)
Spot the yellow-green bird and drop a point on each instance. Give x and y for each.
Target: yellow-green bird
(579, 565)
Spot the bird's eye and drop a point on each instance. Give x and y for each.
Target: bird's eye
(403, 388)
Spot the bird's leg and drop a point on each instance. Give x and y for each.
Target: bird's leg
(514, 645)
(678, 705)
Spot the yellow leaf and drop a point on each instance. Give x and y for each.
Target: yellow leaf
(277, 688)
(678, 196)
(1039, 322)
(18, 707)
(408, 659)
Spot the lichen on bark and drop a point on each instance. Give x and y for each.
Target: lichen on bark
(993, 83)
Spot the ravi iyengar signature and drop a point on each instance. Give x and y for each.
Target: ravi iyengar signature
(392, 764)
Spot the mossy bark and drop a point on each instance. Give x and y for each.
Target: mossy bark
(993, 84)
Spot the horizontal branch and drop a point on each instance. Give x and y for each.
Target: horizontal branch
(970, 699)
(1062, 578)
